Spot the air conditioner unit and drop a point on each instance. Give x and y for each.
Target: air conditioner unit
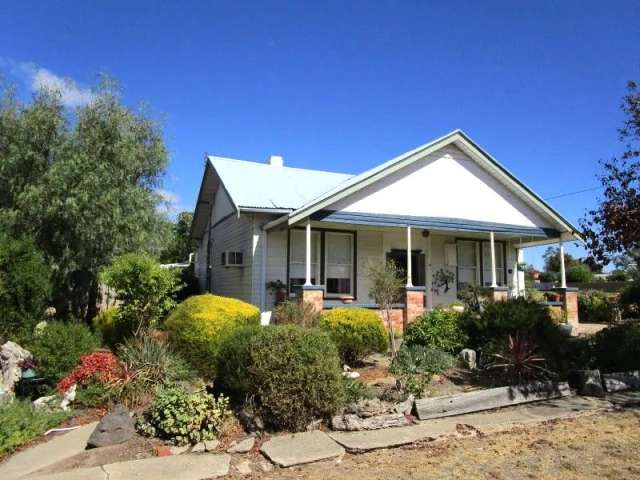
(232, 259)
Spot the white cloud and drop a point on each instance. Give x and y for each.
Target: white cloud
(71, 94)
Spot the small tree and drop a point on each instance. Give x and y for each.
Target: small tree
(145, 289)
(386, 286)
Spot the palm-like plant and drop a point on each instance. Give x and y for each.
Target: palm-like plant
(519, 361)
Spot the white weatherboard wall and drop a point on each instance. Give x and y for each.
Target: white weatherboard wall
(446, 184)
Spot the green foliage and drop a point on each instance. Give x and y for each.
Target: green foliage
(234, 361)
(80, 183)
(595, 306)
(180, 244)
(439, 329)
(617, 348)
(144, 289)
(93, 395)
(296, 313)
(415, 365)
(489, 331)
(357, 332)
(293, 374)
(198, 324)
(185, 418)
(189, 284)
(20, 423)
(356, 391)
(629, 300)
(619, 275)
(24, 286)
(579, 273)
(474, 298)
(519, 361)
(111, 327)
(59, 346)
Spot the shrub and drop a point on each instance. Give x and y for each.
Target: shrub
(595, 306)
(415, 365)
(234, 358)
(489, 331)
(144, 289)
(618, 276)
(185, 418)
(198, 324)
(439, 329)
(24, 287)
(629, 300)
(59, 346)
(101, 367)
(293, 374)
(21, 422)
(617, 348)
(579, 273)
(357, 332)
(519, 361)
(112, 328)
(356, 391)
(296, 313)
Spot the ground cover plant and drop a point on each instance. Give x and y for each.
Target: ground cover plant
(415, 365)
(357, 332)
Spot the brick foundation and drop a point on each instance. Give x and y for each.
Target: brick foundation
(313, 295)
(569, 299)
(397, 318)
(413, 304)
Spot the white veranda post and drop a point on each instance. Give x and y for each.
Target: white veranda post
(563, 277)
(307, 258)
(493, 261)
(409, 284)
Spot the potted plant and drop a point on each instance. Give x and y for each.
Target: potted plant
(279, 289)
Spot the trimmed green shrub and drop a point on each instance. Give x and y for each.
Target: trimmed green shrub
(198, 324)
(303, 314)
(629, 300)
(59, 346)
(20, 423)
(357, 332)
(185, 418)
(112, 329)
(293, 374)
(24, 287)
(234, 357)
(595, 306)
(579, 273)
(415, 365)
(617, 348)
(144, 289)
(439, 329)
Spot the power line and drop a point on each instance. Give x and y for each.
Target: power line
(574, 193)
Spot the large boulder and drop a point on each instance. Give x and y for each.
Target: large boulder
(587, 382)
(114, 428)
(469, 358)
(11, 354)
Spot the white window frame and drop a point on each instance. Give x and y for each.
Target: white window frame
(350, 265)
(315, 237)
(475, 267)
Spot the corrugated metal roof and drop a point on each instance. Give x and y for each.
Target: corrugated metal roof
(261, 185)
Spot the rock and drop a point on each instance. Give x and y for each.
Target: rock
(244, 468)
(250, 420)
(352, 423)
(405, 407)
(114, 428)
(368, 408)
(11, 354)
(351, 375)
(199, 448)
(588, 383)
(469, 358)
(69, 396)
(162, 451)
(243, 446)
(211, 445)
(314, 425)
(265, 466)
(300, 448)
(45, 402)
(178, 450)
(619, 381)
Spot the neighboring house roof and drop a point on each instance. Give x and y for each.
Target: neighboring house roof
(260, 185)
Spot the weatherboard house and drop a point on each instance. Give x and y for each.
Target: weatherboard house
(446, 212)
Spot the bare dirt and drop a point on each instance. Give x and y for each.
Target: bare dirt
(604, 446)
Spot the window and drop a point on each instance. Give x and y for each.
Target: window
(231, 259)
(486, 263)
(468, 272)
(399, 257)
(297, 253)
(339, 263)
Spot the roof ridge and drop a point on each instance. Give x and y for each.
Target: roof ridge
(254, 162)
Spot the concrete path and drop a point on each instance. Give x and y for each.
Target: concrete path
(300, 448)
(53, 451)
(496, 420)
(183, 467)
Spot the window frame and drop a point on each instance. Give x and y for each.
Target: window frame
(322, 280)
(502, 282)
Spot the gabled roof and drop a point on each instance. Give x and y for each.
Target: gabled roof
(261, 185)
(462, 141)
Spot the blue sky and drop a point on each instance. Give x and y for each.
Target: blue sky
(345, 85)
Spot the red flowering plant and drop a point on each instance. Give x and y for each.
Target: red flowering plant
(101, 367)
